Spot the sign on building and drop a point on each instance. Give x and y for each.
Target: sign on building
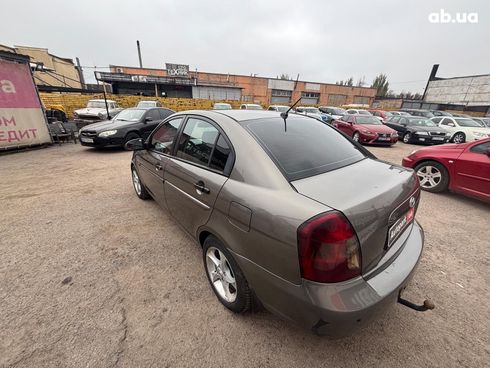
(22, 120)
(177, 70)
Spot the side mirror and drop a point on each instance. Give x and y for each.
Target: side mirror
(136, 144)
(148, 118)
(451, 125)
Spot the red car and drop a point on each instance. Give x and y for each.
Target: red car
(463, 168)
(383, 115)
(366, 129)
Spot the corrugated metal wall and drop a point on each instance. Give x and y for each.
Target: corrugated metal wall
(216, 93)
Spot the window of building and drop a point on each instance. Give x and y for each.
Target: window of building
(337, 100)
(361, 100)
(281, 93)
(310, 95)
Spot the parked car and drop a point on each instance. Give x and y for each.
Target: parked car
(366, 129)
(279, 108)
(128, 124)
(96, 111)
(462, 129)
(358, 112)
(400, 113)
(313, 112)
(417, 129)
(484, 122)
(332, 112)
(440, 113)
(457, 115)
(222, 106)
(252, 194)
(418, 112)
(148, 104)
(381, 114)
(462, 168)
(250, 107)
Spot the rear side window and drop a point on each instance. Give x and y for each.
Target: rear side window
(220, 155)
(305, 147)
(197, 141)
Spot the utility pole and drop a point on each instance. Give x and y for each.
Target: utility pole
(139, 53)
(97, 77)
(80, 73)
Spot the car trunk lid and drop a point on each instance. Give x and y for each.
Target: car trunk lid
(373, 195)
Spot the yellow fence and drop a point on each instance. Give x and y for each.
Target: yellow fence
(74, 101)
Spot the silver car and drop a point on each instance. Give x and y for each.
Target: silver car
(288, 212)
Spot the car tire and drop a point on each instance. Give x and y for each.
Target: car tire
(130, 136)
(225, 277)
(138, 186)
(356, 137)
(433, 176)
(459, 137)
(407, 137)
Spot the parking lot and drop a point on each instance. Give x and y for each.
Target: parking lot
(92, 276)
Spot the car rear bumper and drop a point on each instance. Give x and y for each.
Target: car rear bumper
(339, 309)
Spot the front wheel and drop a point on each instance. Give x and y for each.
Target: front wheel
(140, 190)
(130, 136)
(226, 278)
(459, 137)
(356, 137)
(433, 176)
(407, 137)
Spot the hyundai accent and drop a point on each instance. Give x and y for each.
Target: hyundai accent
(288, 211)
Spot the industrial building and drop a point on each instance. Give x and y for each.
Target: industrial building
(179, 81)
(468, 93)
(51, 72)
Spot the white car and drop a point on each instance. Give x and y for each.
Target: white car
(462, 129)
(313, 112)
(250, 107)
(222, 106)
(96, 110)
(278, 108)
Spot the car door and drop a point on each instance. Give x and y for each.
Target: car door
(393, 123)
(152, 161)
(195, 175)
(472, 171)
(343, 123)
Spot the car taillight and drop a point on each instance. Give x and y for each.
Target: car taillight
(328, 249)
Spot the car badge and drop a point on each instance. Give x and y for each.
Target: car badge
(412, 202)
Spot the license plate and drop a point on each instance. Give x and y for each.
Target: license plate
(438, 138)
(87, 140)
(384, 139)
(399, 226)
(422, 139)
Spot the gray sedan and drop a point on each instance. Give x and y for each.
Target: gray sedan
(288, 212)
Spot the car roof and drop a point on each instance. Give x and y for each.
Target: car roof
(241, 115)
(101, 100)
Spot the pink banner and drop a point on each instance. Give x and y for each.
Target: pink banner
(17, 89)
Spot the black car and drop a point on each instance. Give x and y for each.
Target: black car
(440, 113)
(415, 129)
(128, 124)
(417, 112)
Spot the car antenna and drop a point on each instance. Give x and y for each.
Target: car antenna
(285, 115)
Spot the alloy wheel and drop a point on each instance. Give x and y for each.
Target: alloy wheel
(406, 138)
(429, 176)
(221, 275)
(458, 138)
(136, 182)
(355, 137)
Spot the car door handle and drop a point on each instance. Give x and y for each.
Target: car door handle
(158, 167)
(201, 187)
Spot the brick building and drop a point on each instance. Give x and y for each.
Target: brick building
(216, 86)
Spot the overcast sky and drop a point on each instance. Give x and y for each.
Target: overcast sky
(323, 41)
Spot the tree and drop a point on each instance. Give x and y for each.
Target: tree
(350, 82)
(284, 76)
(381, 84)
(361, 81)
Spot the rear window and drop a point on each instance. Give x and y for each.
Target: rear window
(306, 148)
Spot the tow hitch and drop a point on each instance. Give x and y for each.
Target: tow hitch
(428, 305)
